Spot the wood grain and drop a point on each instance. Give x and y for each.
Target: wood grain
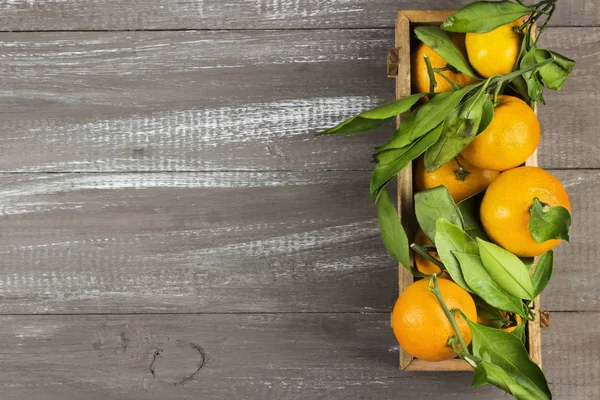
(226, 242)
(283, 356)
(237, 14)
(195, 101)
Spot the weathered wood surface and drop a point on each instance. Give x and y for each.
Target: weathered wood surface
(237, 14)
(245, 100)
(227, 242)
(271, 356)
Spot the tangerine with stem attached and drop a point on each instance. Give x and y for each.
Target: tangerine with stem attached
(460, 177)
(509, 140)
(420, 75)
(421, 325)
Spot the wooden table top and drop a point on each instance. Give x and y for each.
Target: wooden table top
(172, 229)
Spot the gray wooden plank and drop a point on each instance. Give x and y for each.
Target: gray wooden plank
(226, 242)
(188, 100)
(237, 14)
(272, 356)
(249, 100)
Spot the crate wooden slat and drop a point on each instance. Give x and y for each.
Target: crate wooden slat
(404, 22)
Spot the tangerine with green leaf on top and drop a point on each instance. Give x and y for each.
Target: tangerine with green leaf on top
(495, 52)
(459, 176)
(509, 140)
(420, 324)
(420, 74)
(505, 208)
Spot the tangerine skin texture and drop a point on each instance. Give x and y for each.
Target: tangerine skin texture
(420, 77)
(419, 322)
(494, 52)
(506, 203)
(424, 265)
(477, 180)
(509, 140)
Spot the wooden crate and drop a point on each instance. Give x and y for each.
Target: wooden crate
(399, 68)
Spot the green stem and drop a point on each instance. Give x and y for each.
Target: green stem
(496, 94)
(499, 79)
(435, 289)
(461, 173)
(421, 250)
(468, 357)
(452, 84)
(552, 8)
(432, 81)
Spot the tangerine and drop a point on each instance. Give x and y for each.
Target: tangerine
(509, 140)
(495, 52)
(420, 324)
(505, 208)
(459, 176)
(420, 75)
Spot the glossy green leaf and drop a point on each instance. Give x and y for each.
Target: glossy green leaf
(487, 115)
(469, 209)
(491, 314)
(392, 232)
(479, 377)
(506, 352)
(432, 204)
(482, 284)
(506, 269)
(548, 223)
(535, 88)
(520, 86)
(374, 118)
(383, 173)
(487, 372)
(484, 16)
(520, 331)
(441, 42)
(448, 238)
(556, 73)
(459, 129)
(543, 272)
(428, 117)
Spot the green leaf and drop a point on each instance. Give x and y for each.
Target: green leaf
(489, 373)
(428, 117)
(507, 270)
(383, 173)
(482, 284)
(469, 209)
(441, 42)
(479, 378)
(432, 204)
(548, 223)
(484, 16)
(520, 331)
(487, 114)
(554, 74)
(520, 86)
(506, 352)
(460, 128)
(392, 232)
(373, 119)
(535, 88)
(448, 238)
(492, 315)
(543, 272)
